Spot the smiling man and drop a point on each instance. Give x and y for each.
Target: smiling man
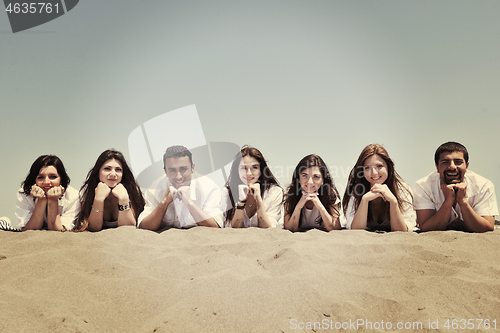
(453, 197)
(176, 200)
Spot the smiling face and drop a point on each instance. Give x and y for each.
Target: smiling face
(375, 170)
(47, 178)
(111, 173)
(452, 167)
(249, 170)
(310, 179)
(179, 171)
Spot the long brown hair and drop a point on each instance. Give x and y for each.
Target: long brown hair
(87, 191)
(357, 185)
(266, 178)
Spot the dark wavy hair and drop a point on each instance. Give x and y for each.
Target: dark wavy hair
(266, 178)
(357, 185)
(327, 193)
(87, 191)
(450, 147)
(44, 161)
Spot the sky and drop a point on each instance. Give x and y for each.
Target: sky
(288, 77)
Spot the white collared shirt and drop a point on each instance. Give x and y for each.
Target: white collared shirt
(204, 193)
(69, 207)
(480, 195)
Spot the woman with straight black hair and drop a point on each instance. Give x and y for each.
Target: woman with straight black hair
(110, 196)
(252, 196)
(312, 200)
(46, 201)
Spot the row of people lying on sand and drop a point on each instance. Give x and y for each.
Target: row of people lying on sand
(376, 197)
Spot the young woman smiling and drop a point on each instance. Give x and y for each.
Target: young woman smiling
(110, 196)
(46, 201)
(312, 200)
(376, 197)
(252, 196)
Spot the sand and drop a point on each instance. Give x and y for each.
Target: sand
(249, 280)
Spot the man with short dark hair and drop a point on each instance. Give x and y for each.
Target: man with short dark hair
(176, 200)
(453, 197)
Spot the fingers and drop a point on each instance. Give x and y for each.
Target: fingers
(37, 192)
(309, 196)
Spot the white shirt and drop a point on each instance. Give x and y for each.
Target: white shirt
(272, 199)
(204, 193)
(69, 207)
(480, 195)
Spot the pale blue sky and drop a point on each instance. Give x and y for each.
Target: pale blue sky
(288, 77)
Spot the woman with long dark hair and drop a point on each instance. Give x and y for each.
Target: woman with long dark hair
(45, 200)
(376, 197)
(312, 200)
(110, 197)
(252, 196)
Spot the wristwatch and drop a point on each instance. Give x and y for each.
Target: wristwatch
(124, 207)
(239, 206)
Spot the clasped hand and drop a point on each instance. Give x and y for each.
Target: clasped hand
(454, 192)
(182, 193)
(380, 191)
(54, 193)
(102, 191)
(253, 190)
(306, 196)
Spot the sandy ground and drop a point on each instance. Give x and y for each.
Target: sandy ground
(250, 280)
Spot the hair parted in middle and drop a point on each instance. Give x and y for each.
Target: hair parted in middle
(266, 178)
(327, 193)
(357, 185)
(87, 191)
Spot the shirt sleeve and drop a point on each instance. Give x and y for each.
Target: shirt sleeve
(70, 210)
(422, 196)
(349, 213)
(408, 212)
(151, 203)
(486, 202)
(212, 205)
(274, 206)
(224, 205)
(24, 209)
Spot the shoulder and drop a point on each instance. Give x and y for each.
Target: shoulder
(274, 190)
(429, 184)
(431, 178)
(160, 183)
(21, 195)
(70, 196)
(71, 192)
(205, 184)
(474, 178)
(477, 183)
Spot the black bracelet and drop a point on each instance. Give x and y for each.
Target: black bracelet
(124, 207)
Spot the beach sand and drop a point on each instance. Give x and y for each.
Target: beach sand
(249, 280)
